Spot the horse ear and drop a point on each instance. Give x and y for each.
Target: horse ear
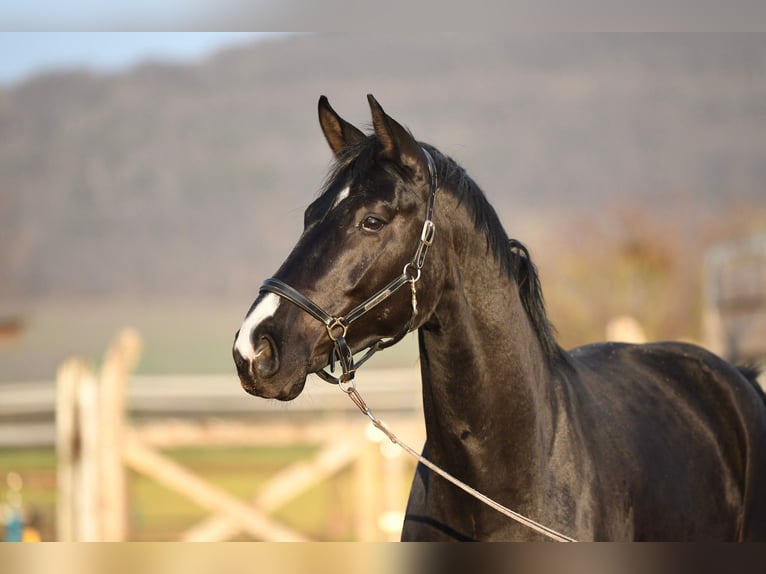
(337, 131)
(397, 143)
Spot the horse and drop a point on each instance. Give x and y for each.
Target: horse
(606, 442)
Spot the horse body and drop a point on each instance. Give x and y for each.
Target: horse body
(599, 442)
(663, 441)
(615, 451)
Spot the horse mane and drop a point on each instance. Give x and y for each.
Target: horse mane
(512, 256)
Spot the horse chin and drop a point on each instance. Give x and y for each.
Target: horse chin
(269, 390)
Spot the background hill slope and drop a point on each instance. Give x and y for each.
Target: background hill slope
(617, 159)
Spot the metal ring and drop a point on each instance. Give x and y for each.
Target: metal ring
(337, 322)
(407, 270)
(347, 382)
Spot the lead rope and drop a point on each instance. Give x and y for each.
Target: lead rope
(357, 399)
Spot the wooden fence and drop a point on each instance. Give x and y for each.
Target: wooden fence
(97, 442)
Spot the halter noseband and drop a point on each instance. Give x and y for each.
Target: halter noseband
(337, 326)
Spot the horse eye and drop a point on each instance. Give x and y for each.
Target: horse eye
(372, 224)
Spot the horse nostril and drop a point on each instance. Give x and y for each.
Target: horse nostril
(265, 360)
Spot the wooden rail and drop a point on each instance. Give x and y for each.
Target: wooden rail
(96, 442)
(27, 409)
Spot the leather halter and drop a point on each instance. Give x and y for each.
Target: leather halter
(337, 326)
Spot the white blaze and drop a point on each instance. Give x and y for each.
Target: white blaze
(265, 308)
(343, 194)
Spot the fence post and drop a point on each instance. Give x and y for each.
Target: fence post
(87, 475)
(119, 360)
(67, 446)
(90, 419)
(77, 452)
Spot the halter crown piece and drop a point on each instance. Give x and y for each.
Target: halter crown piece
(337, 326)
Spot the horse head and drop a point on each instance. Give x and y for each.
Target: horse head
(364, 237)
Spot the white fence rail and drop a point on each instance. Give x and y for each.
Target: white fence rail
(27, 409)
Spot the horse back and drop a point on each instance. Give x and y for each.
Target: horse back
(677, 438)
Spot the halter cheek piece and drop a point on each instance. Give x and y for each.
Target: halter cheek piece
(337, 327)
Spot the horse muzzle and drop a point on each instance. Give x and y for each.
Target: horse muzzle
(260, 373)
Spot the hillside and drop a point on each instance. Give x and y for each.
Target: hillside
(173, 181)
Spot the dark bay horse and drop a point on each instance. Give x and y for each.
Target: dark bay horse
(663, 441)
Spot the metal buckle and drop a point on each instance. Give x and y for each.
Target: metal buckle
(426, 239)
(428, 232)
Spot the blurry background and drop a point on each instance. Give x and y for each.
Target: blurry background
(154, 180)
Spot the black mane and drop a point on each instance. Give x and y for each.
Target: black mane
(512, 256)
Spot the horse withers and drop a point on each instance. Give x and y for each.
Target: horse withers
(660, 441)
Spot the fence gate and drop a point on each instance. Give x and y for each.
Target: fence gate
(96, 444)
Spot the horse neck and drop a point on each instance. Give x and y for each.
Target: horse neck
(486, 382)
